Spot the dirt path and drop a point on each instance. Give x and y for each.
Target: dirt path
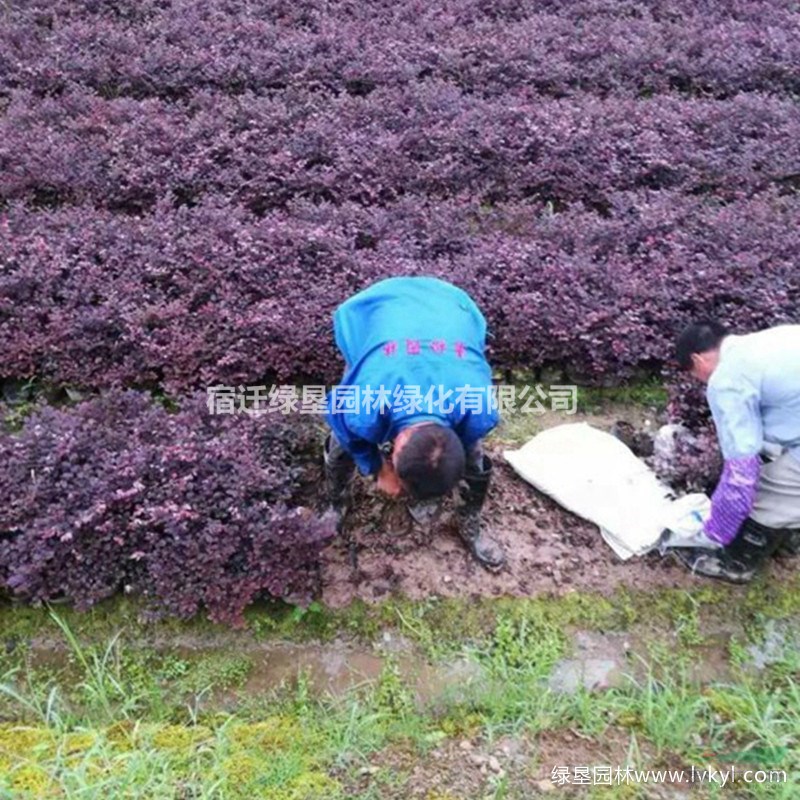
(549, 550)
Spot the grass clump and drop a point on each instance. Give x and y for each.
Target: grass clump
(107, 736)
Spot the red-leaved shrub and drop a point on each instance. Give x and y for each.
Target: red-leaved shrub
(188, 509)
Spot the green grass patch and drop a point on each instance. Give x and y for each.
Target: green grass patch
(437, 625)
(297, 746)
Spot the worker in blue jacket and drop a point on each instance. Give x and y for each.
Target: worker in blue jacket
(416, 378)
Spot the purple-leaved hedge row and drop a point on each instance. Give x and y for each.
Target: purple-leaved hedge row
(188, 510)
(485, 47)
(188, 297)
(187, 191)
(432, 142)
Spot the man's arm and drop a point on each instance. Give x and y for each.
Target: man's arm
(736, 410)
(359, 438)
(733, 498)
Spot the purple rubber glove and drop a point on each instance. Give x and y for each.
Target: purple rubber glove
(733, 498)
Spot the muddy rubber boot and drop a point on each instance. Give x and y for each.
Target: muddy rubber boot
(790, 545)
(339, 468)
(740, 560)
(484, 550)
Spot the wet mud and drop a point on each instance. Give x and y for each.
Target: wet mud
(549, 550)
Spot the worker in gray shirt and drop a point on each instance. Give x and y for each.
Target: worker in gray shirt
(753, 389)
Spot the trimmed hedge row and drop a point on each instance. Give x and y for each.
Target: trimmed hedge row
(187, 190)
(184, 298)
(433, 143)
(188, 509)
(171, 49)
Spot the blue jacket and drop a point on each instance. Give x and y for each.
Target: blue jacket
(414, 352)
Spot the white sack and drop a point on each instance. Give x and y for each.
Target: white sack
(594, 475)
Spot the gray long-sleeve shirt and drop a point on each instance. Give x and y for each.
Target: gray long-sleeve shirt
(754, 393)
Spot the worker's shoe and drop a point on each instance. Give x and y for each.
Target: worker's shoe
(790, 545)
(740, 560)
(339, 468)
(484, 550)
(714, 564)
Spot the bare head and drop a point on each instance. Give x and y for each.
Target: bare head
(697, 348)
(429, 460)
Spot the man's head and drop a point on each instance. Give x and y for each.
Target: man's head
(429, 460)
(697, 349)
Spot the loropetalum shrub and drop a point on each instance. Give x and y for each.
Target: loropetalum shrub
(431, 141)
(153, 48)
(694, 461)
(186, 298)
(187, 509)
(697, 463)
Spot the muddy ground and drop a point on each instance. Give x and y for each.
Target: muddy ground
(549, 549)
(511, 766)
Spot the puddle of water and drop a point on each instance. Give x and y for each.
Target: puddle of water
(599, 661)
(608, 660)
(778, 639)
(591, 673)
(335, 671)
(605, 660)
(327, 670)
(331, 669)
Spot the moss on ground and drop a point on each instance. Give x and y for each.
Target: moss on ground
(435, 625)
(276, 758)
(135, 712)
(308, 749)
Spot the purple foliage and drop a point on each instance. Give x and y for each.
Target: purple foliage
(430, 141)
(170, 49)
(190, 297)
(187, 190)
(692, 462)
(187, 509)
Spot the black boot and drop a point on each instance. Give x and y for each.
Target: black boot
(740, 560)
(484, 550)
(339, 468)
(790, 545)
